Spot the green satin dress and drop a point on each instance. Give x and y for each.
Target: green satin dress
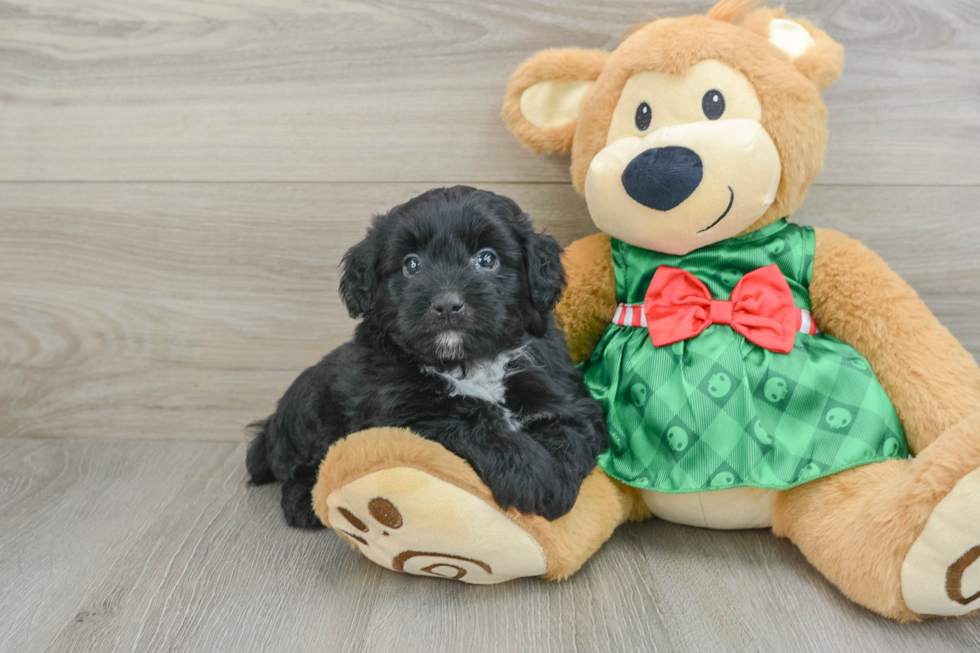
(716, 411)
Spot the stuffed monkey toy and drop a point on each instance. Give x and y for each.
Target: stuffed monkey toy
(754, 373)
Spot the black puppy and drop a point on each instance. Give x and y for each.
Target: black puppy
(458, 344)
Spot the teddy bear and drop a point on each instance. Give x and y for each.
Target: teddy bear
(754, 373)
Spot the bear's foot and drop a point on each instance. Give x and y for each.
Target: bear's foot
(410, 505)
(941, 572)
(901, 537)
(407, 520)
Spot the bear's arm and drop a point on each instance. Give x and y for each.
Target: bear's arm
(931, 379)
(589, 302)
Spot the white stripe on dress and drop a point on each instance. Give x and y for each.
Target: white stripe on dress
(617, 318)
(805, 321)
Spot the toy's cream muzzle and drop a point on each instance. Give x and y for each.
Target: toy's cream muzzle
(685, 186)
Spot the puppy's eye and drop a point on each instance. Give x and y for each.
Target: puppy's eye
(643, 116)
(411, 264)
(486, 260)
(713, 104)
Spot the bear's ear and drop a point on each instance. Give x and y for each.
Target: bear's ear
(816, 55)
(544, 94)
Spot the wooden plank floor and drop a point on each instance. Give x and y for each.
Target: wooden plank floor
(160, 546)
(178, 181)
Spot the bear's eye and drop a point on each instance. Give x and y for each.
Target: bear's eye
(643, 116)
(713, 104)
(486, 260)
(411, 264)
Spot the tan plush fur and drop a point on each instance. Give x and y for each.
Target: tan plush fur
(822, 64)
(731, 11)
(560, 65)
(589, 302)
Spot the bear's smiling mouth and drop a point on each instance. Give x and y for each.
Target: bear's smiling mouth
(731, 201)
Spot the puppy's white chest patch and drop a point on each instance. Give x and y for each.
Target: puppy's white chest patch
(483, 380)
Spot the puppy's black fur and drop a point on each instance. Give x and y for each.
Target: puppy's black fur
(437, 309)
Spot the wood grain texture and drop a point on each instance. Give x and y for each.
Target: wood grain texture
(136, 546)
(339, 90)
(183, 311)
(180, 311)
(69, 512)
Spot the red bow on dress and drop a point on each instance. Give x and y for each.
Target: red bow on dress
(678, 306)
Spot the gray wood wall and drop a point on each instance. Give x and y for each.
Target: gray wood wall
(180, 180)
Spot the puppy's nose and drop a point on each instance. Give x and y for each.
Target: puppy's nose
(663, 177)
(448, 304)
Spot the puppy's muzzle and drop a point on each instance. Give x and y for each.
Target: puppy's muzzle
(448, 306)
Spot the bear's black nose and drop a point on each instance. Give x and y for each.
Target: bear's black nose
(663, 177)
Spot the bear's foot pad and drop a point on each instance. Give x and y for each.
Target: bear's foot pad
(941, 573)
(406, 520)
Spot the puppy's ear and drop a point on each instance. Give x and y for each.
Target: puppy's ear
(545, 274)
(357, 278)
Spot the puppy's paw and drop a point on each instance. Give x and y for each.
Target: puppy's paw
(559, 501)
(297, 505)
(303, 519)
(546, 497)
